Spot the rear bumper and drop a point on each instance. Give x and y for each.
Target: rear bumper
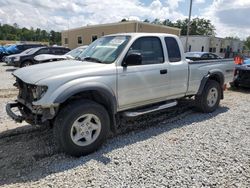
(12, 114)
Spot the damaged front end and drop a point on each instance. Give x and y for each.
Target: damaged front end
(242, 76)
(28, 112)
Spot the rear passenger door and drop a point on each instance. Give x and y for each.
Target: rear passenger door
(178, 69)
(145, 83)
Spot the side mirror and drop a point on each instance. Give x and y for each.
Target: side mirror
(132, 59)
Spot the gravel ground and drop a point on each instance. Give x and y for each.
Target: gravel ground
(180, 149)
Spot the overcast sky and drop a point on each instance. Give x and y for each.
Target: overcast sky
(230, 17)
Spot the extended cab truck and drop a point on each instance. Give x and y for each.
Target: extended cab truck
(118, 75)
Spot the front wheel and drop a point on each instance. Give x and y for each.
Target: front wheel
(81, 127)
(209, 100)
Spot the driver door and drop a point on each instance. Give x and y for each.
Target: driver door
(145, 83)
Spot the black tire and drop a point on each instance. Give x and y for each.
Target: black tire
(202, 101)
(25, 64)
(3, 58)
(64, 127)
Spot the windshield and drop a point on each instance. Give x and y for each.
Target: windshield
(105, 49)
(26, 51)
(33, 50)
(76, 52)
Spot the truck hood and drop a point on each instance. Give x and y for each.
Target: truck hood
(59, 69)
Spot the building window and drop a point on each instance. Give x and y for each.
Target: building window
(94, 37)
(210, 49)
(190, 47)
(214, 50)
(202, 48)
(221, 50)
(102, 33)
(66, 41)
(79, 40)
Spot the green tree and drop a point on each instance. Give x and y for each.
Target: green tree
(167, 22)
(198, 26)
(201, 26)
(124, 20)
(9, 32)
(247, 42)
(156, 21)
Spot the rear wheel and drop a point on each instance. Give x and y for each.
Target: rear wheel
(26, 64)
(209, 100)
(81, 127)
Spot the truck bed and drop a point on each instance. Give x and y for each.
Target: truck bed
(199, 69)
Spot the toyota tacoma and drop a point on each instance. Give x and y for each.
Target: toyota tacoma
(117, 76)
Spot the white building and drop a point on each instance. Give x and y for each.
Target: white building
(220, 46)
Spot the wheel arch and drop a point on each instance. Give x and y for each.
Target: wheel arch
(216, 76)
(100, 94)
(25, 60)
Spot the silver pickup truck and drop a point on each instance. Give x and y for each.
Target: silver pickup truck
(117, 76)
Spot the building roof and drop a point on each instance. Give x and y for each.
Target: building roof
(121, 23)
(133, 34)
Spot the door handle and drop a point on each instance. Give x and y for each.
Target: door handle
(164, 71)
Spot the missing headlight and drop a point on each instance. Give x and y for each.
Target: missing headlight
(38, 92)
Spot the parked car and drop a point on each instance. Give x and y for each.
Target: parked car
(17, 48)
(242, 74)
(196, 56)
(12, 59)
(119, 76)
(73, 54)
(28, 59)
(4, 51)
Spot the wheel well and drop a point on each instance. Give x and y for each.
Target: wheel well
(26, 60)
(99, 98)
(216, 78)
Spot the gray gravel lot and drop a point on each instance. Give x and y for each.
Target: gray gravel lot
(181, 149)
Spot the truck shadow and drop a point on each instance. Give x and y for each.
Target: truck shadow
(31, 155)
(240, 89)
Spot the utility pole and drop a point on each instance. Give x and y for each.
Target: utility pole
(188, 25)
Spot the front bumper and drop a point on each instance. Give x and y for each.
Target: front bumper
(12, 114)
(31, 114)
(242, 77)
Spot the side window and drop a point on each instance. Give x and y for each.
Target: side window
(174, 54)
(150, 48)
(43, 51)
(205, 56)
(64, 51)
(57, 51)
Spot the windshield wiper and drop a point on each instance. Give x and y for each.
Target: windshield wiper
(92, 59)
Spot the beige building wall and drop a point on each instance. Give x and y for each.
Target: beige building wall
(86, 33)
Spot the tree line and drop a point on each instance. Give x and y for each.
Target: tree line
(198, 26)
(14, 32)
